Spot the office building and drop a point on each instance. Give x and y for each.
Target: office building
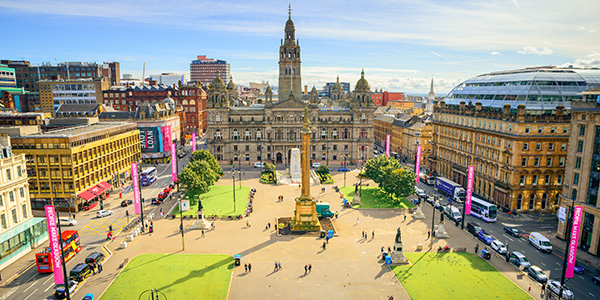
(205, 70)
(53, 93)
(168, 78)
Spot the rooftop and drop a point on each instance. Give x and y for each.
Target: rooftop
(98, 128)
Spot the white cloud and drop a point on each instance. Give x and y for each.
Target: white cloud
(591, 30)
(495, 53)
(535, 50)
(590, 60)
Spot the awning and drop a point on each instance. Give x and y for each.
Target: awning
(86, 195)
(96, 190)
(104, 185)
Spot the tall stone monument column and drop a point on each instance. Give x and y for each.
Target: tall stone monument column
(305, 216)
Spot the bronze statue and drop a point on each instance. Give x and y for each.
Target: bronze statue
(399, 236)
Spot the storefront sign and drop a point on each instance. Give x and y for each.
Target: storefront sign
(469, 190)
(571, 257)
(55, 244)
(136, 188)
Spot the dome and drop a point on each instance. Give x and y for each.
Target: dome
(217, 83)
(231, 85)
(169, 101)
(362, 84)
(289, 25)
(337, 87)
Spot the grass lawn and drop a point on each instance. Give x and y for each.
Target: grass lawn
(372, 197)
(455, 276)
(219, 201)
(178, 276)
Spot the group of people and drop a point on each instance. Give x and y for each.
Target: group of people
(95, 266)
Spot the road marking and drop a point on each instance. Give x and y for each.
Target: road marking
(592, 295)
(28, 288)
(46, 281)
(506, 236)
(10, 292)
(543, 264)
(557, 263)
(581, 277)
(32, 294)
(47, 288)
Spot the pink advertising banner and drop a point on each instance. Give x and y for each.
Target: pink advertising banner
(136, 188)
(469, 190)
(571, 257)
(167, 137)
(55, 245)
(193, 142)
(174, 162)
(387, 145)
(418, 163)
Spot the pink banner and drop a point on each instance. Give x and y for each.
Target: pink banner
(193, 141)
(55, 244)
(174, 162)
(387, 145)
(469, 190)
(136, 188)
(167, 137)
(418, 163)
(571, 258)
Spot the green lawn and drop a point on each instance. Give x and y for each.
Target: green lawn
(219, 201)
(372, 197)
(178, 276)
(455, 276)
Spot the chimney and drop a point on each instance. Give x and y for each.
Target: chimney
(521, 112)
(560, 111)
(506, 110)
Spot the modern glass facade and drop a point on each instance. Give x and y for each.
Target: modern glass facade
(20, 239)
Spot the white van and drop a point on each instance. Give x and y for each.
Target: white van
(453, 213)
(539, 241)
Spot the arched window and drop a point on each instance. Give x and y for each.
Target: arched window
(519, 201)
(531, 201)
(235, 134)
(544, 200)
(345, 133)
(258, 134)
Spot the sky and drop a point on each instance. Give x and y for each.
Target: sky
(400, 44)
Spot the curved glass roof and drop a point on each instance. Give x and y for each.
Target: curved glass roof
(537, 88)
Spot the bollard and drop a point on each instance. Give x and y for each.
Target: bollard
(123, 245)
(129, 238)
(134, 233)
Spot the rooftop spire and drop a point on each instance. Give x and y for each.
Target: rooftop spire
(290, 10)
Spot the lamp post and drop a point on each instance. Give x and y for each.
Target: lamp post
(62, 254)
(570, 230)
(240, 168)
(345, 157)
(233, 185)
(141, 198)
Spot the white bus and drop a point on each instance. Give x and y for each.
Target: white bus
(483, 210)
(148, 176)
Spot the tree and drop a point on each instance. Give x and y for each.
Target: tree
(205, 155)
(198, 177)
(269, 167)
(399, 182)
(377, 169)
(323, 169)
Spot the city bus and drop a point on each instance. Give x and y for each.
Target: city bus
(71, 246)
(483, 210)
(427, 179)
(148, 176)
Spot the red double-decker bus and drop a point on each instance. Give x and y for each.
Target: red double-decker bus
(71, 246)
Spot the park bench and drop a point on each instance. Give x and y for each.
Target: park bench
(463, 249)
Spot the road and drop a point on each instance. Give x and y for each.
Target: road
(34, 285)
(551, 263)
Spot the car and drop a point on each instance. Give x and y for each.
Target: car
(429, 200)
(316, 165)
(343, 169)
(518, 259)
(554, 287)
(498, 246)
(484, 237)
(168, 189)
(439, 207)
(94, 258)
(80, 272)
(88, 296)
(537, 274)
(473, 228)
(60, 291)
(104, 213)
(578, 268)
(124, 203)
(162, 196)
(259, 165)
(512, 231)
(172, 185)
(421, 193)
(596, 279)
(65, 221)
(182, 154)
(155, 201)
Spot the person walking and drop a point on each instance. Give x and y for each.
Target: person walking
(305, 269)
(246, 268)
(404, 217)
(324, 245)
(529, 288)
(250, 267)
(203, 233)
(357, 220)
(309, 268)
(99, 267)
(373, 234)
(93, 265)
(477, 248)
(327, 239)
(279, 265)
(276, 267)
(428, 234)
(543, 289)
(269, 224)
(336, 214)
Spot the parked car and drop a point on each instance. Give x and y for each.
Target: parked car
(88, 296)
(596, 279)
(498, 246)
(473, 228)
(155, 201)
(65, 221)
(124, 203)
(168, 189)
(578, 268)
(537, 274)
(484, 237)
(518, 259)
(80, 272)
(94, 258)
(259, 165)
(162, 196)
(453, 213)
(182, 154)
(439, 207)
(420, 193)
(554, 287)
(316, 165)
(61, 292)
(512, 231)
(104, 213)
(343, 169)
(429, 200)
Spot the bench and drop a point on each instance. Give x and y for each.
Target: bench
(463, 249)
(123, 263)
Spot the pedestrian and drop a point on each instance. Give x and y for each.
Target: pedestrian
(428, 233)
(336, 214)
(181, 228)
(269, 224)
(266, 227)
(100, 267)
(151, 228)
(246, 268)
(357, 220)
(324, 245)
(530, 287)
(276, 267)
(203, 233)
(305, 269)
(212, 225)
(73, 216)
(327, 239)
(93, 268)
(279, 265)
(373, 234)
(477, 248)
(382, 249)
(250, 267)
(309, 268)
(404, 217)
(389, 250)
(543, 288)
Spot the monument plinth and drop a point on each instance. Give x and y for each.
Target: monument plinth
(397, 254)
(305, 216)
(419, 213)
(295, 166)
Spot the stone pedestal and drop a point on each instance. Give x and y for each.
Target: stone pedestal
(419, 213)
(295, 166)
(397, 255)
(356, 199)
(441, 233)
(305, 216)
(201, 223)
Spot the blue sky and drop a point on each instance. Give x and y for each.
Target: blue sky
(400, 44)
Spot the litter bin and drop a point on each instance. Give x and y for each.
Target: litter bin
(388, 260)
(237, 259)
(330, 234)
(485, 254)
(322, 233)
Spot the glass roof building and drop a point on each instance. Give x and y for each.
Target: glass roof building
(539, 88)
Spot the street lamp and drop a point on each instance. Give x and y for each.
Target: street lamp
(233, 185)
(180, 208)
(141, 198)
(62, 253)
(570, 230)
(345, 157)
(240, 167)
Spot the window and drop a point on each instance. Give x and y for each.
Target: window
(527, 130)
(540, 129)
(578, 163)
(575, 179)
(559, 180)
(508, 144)
(11, 195)
(1, 201)
(538, 146)
(24, 210)
(537, 162)
(522, 180)
(551, 146)
(3, 219)
(553, 130)
(14, 216)
(579, 146)
(549, 162)
(19, 171)
(563, 147)
(581, 129)
(566, 129)
(524, 161)
(562, 162)
(22, 192)
(534, 180)
(8, 177)
(525, 146)
(547, 180)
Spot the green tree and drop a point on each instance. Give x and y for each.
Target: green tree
(269, 167)
(378, 168)
(323, 169)
(198, 177)
(205, 155)
(399, 182)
